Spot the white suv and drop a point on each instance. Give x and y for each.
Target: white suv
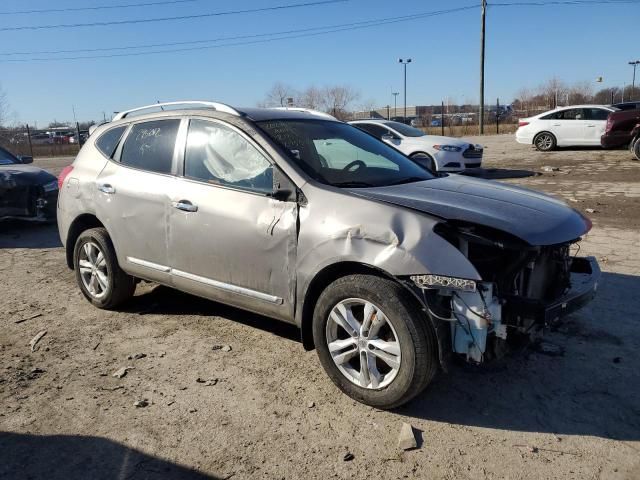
(442, 154)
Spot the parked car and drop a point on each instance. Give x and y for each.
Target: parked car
(579, 125)
(627, 105)
(621, 129)
(26, 192)
(388, 269)
(442, 154)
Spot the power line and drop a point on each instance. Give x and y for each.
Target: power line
(361, 24)
(166, 19)
(97, 7)
(561, 2)
(290, 34)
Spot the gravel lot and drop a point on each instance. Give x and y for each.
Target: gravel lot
(265, 408)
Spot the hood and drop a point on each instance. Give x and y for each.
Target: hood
(21, 175)
(536, 218)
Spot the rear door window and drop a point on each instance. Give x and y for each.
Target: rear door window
(150, 145)
(596, 113)
(108, 141)
(375, 130)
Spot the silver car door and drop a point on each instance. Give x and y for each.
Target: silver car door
(229, 239)
(132, 197)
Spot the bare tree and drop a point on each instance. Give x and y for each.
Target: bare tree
(311, 98)
(337, 100)
(279, 95)
(580, 93)
(554, 91)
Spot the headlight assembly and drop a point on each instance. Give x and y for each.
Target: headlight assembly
(441, 281)
(448, 148)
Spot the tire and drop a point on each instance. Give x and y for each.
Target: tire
(636, 148)
(110, 284)
(425, 160)
(398, 325)
(545, 141)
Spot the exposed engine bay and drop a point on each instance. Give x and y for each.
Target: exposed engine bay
(524, 288)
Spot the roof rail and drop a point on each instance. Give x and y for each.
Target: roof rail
(221, 107)
(308, 110)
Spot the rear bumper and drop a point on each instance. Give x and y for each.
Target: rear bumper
(613, 141)
(585, 275)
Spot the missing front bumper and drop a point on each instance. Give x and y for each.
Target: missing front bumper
(585, 275)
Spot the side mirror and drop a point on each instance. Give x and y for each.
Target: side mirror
(283, 188)
(25, 159)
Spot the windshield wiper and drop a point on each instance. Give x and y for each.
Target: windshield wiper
(352, 183)
(408, 180)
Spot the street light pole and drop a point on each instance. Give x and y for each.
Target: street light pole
(633, 84)
(395, 103)
(405, 62)
(482, 31)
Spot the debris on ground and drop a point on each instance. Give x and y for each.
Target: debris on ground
(224, 348)
(207, 383)
(573, 199)
(30, 317)
(348, 457)
(141, 403)
(311, 404)
(590, 210)
(407, 439)
(34, 341)
(35, 373)
(547, 348)
(137, 356)
(193, 410)
(550, 169)
(121, 372)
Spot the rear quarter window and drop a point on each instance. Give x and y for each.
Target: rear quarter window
(109, 140)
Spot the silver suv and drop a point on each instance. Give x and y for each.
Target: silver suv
(388, 269)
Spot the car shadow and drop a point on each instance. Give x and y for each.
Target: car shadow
(70, 457)
(161, 300)
(588, 384)
(24, 234)
(497, 173)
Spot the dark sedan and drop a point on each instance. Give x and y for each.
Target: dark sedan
(26, 192)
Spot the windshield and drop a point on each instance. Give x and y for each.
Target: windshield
(6, 158)
(405, 130)
(341, 155)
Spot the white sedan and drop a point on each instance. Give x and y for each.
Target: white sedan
(442, 154)
(579, 125)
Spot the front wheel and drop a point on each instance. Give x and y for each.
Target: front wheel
(545, 142)
(375, 344)
(425, 160)
(636, 148)
(98, 273)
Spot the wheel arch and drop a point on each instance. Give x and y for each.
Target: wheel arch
(533, 140)
(80, 224)
(335, 271)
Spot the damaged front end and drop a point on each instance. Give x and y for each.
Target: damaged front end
(21, 198)
(523, 288)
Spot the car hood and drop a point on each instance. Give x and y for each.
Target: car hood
(20, 175)
(536, 218)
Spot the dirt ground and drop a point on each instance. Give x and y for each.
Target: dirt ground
(265, 409)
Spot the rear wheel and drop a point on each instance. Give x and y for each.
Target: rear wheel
(425, 160)
(375, 344)
(98, 273)
(636, 148)
(545, 141)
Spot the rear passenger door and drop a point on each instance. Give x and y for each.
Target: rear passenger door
(132, 197)
(595, 124)
(229, 239)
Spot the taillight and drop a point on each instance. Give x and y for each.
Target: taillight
(523, 124)
(609, 125)
(63, 174)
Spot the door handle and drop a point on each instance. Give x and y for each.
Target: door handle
(591, 126)
(556, 125)
(185, 206)
(106, 188)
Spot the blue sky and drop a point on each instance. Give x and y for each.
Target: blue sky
(526, 45)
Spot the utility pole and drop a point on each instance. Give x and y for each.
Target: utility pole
(405, 62)
(633, 83)
(395, 103)
(482, 30)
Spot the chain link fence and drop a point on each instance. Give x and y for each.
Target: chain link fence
(24, 140)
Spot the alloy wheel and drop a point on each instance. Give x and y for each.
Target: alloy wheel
(363, 343)
(93, 270)
(544, 141)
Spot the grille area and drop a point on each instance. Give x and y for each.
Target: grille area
(472, 152)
